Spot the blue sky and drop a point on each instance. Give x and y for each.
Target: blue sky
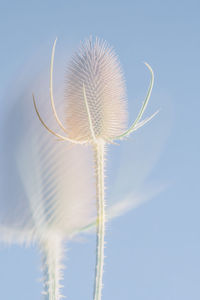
(153, 252)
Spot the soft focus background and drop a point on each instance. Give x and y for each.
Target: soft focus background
(153, 252)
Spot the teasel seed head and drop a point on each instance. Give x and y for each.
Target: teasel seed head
(95, 76)
(96, 98)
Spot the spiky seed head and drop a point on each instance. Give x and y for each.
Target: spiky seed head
(95, 68)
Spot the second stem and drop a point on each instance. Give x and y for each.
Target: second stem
(99, 158)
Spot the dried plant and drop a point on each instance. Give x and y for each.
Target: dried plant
(96, 114)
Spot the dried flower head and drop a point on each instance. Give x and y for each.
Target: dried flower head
(96, 97)
(95, 73)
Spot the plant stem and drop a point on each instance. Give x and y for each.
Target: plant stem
(99, 151)
(51, 261)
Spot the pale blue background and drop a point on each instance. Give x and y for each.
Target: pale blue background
(153, 252)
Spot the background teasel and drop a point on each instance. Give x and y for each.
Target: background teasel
(96, 115)
(44, 206)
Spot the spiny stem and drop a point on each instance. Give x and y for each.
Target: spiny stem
(99, 151)
(51, 261)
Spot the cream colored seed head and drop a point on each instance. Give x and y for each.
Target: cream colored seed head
(96, 108)
(95, 71)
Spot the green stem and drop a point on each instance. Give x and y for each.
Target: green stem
(99, 151)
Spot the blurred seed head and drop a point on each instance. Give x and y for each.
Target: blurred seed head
(47, 187)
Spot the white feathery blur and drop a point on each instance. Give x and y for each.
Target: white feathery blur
(44, 174)
(47, 193)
